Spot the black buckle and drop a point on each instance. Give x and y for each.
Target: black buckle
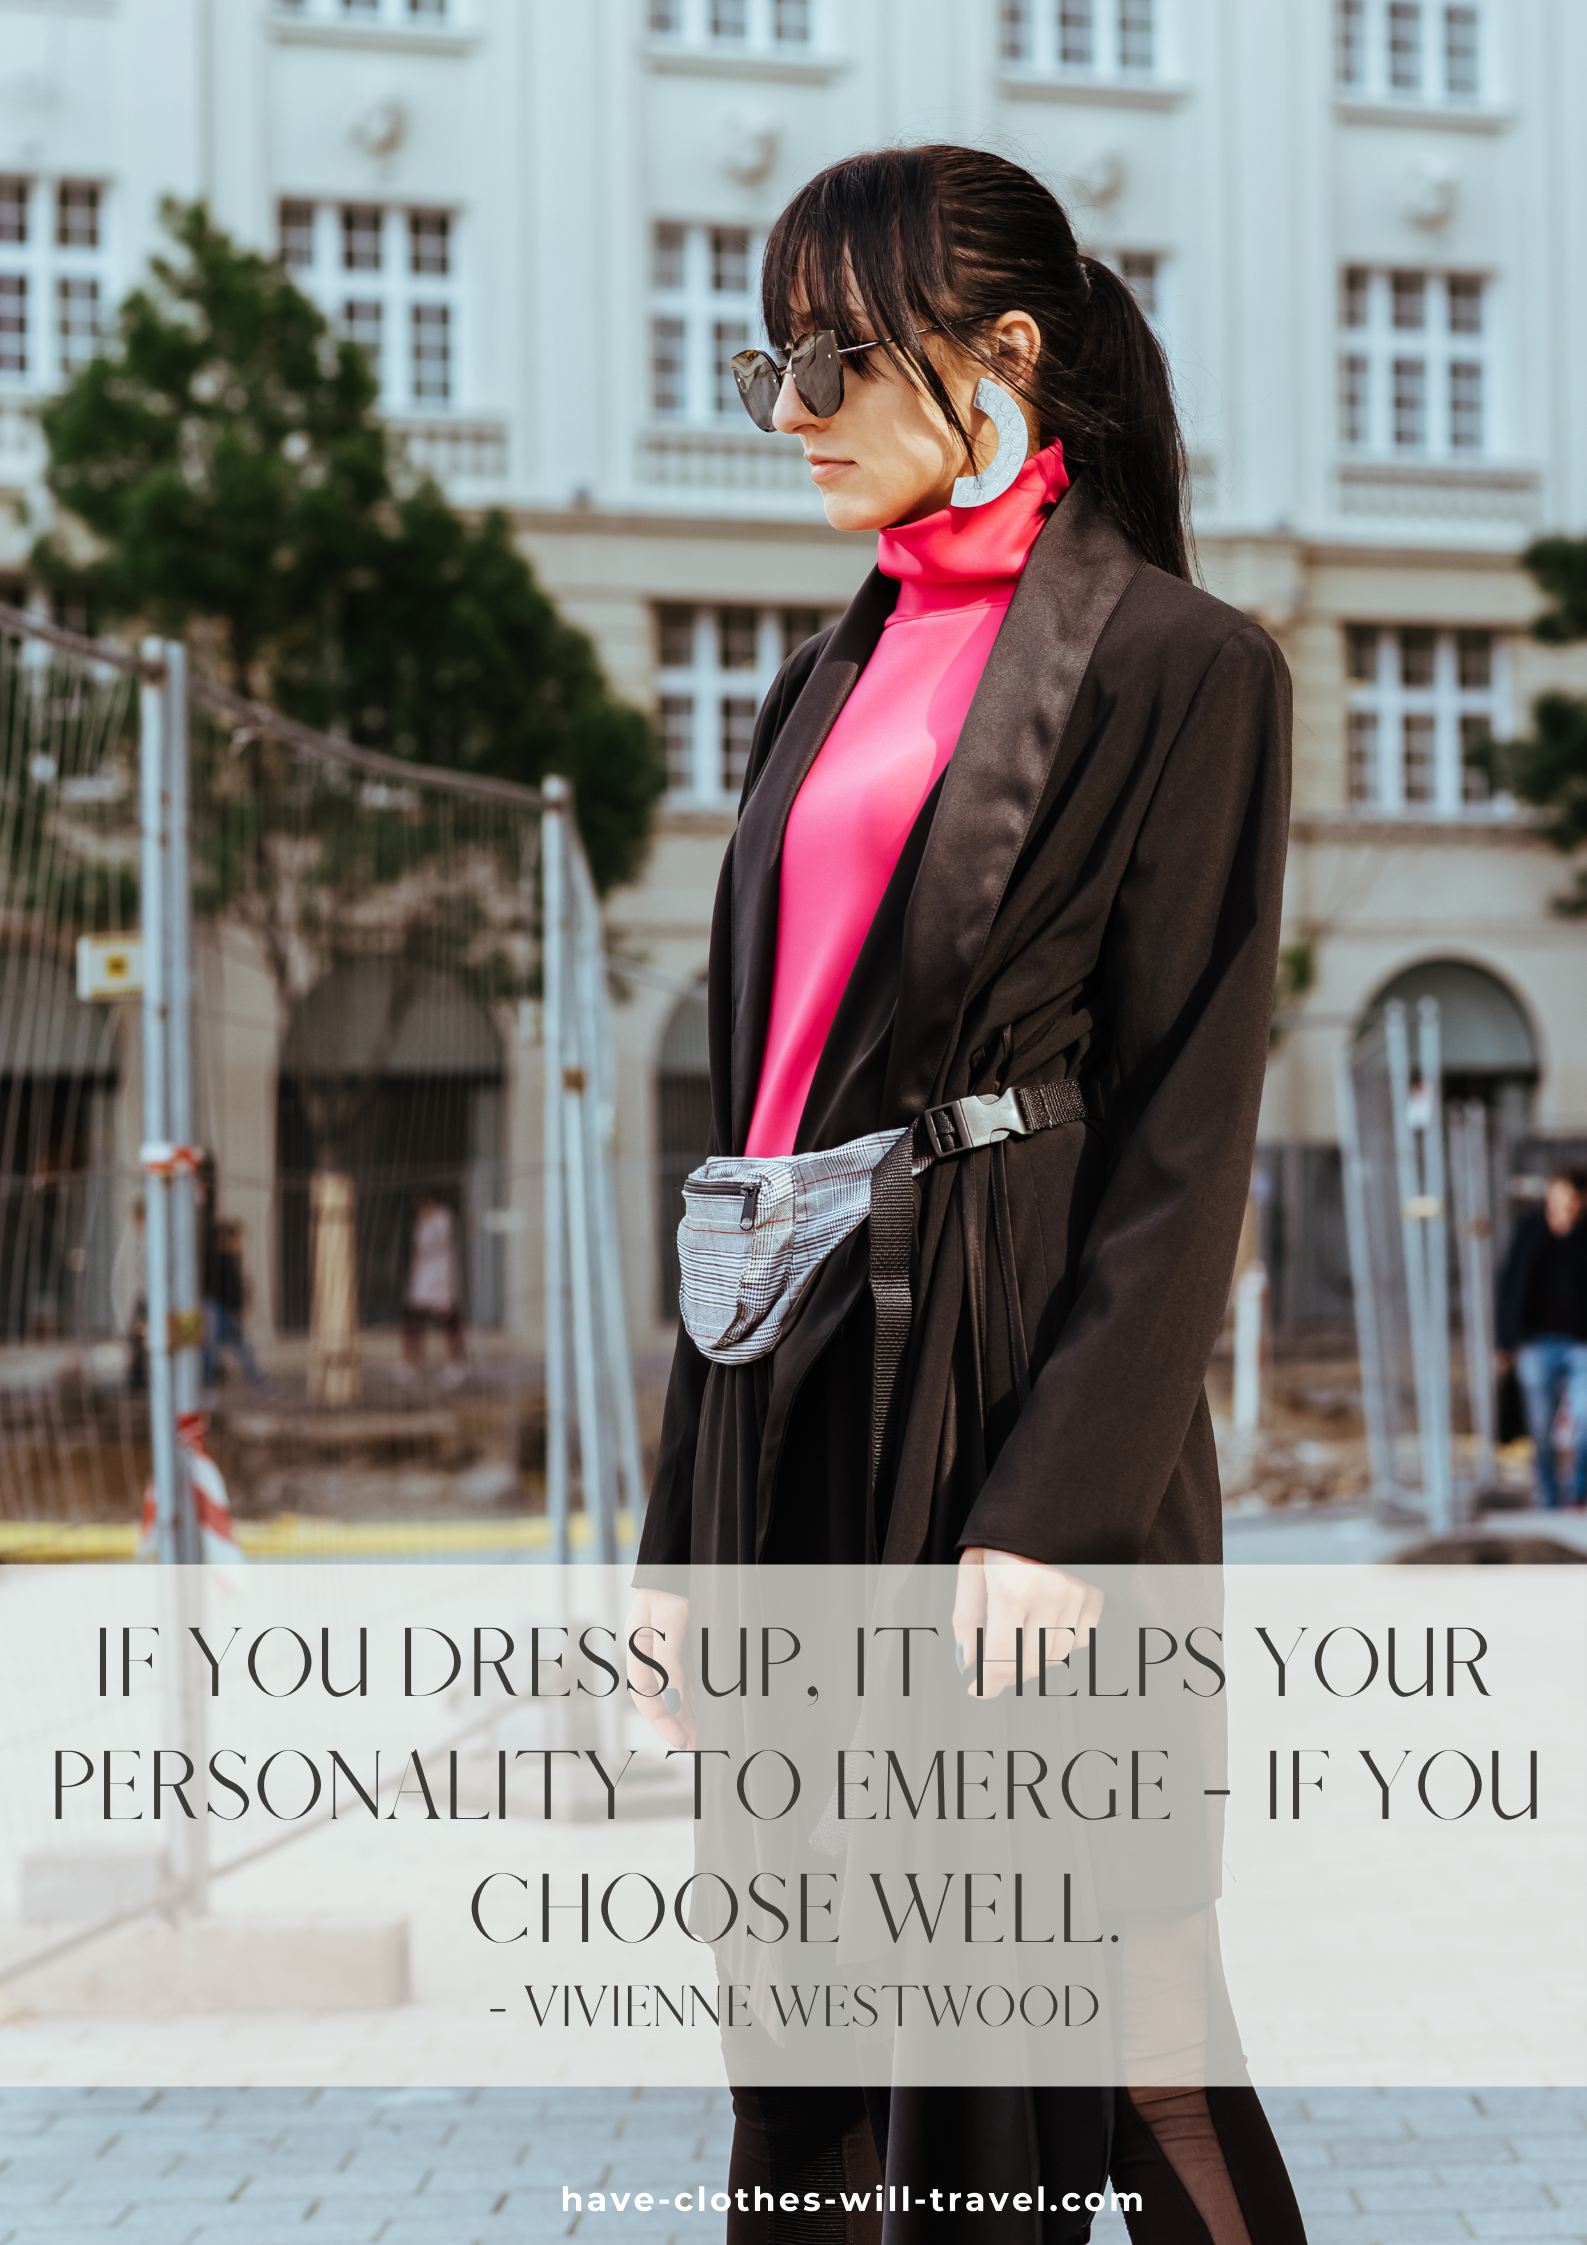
(944, 1131)
(963, 1124)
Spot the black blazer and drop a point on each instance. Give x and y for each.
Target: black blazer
(1094, 886)
(1531, 1234)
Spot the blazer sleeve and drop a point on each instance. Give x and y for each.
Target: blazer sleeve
(1187, 971)
(667, 1533)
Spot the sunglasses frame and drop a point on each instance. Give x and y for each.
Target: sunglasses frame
(813, 354)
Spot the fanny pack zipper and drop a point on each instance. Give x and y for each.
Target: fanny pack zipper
(748, 1191)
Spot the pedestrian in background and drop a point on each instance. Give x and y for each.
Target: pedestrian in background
(129, 1288)
(431, 1296)
(1542, 1327)
(225, 1299)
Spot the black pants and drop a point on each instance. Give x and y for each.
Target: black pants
(798, 2152)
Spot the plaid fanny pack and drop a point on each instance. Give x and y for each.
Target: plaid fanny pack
(756, 1229)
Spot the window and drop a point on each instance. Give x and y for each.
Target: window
(1409, 50)
(1405, 46)
(763, 26)
(77, 323)
(422, 14)
(1102, 38)
(716, 665)
(704, 308)
(13, 323)
(1465, 405)
(388, 280)
(1461, 80)
(1075, 51)
(1135, 35)
(1350, 42)
(1410, 405)
(297, 235)
(1422, 706)
(53, 278)
(362, 227)
(432, 354)
(429, 241)
(362, 324)
(76, 215)
(1353, 382)
(1413, 377)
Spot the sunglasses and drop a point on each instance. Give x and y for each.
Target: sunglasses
(816, 364)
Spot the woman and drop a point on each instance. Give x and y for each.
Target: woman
(1017, 821)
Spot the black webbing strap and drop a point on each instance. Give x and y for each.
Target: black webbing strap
(940, 1134)
(892, 1239)
(1044, 1106)
(1003, 1234)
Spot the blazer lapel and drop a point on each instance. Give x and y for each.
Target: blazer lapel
(1012, 746)
(757, 844)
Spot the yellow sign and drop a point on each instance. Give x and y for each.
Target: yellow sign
(109, 966)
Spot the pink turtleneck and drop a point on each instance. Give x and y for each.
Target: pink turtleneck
(956, 571)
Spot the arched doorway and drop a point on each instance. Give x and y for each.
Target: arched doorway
(59, 1066)
(391, 1073)
(683, 1128)
(1488, 1052)
(1488, 1048)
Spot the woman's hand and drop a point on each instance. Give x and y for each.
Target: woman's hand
(999, 1593)
(657, 1625)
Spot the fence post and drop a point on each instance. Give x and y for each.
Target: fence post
(154, 875)
(1374, 1406)
(608, 1242)
(1468, 1163)
(581, 1273)
(1435, 1254)
(611, 1338)
(1426, 1295)
(186, 1318)
(553, 843)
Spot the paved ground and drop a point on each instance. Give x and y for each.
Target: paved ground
(485, 2167)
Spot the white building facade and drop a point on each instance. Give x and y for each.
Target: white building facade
(1355, 222)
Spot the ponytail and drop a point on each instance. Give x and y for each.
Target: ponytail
(951, 238)
(1126, 438)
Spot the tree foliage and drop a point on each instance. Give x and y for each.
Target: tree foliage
(1558, 566)
(1548, 768)
(225, 458)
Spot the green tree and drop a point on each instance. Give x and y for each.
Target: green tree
(1548, 767)
(225, 459)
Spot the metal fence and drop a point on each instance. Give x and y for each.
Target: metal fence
(1419, 1202)
(362, 1114)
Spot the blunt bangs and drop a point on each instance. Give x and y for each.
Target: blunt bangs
(861, 251)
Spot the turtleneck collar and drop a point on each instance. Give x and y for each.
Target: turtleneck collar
(963, 555)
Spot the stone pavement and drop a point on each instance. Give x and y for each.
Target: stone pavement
(488, 2167)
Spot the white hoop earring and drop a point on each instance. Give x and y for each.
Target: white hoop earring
(1013, 443)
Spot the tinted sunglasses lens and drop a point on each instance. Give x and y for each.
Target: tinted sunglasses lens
(758, 382)
(818, 373)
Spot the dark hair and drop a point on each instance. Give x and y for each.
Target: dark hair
(1571, 1174)
(905, 239)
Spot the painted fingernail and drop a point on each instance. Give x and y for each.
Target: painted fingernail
(958, 1654)
(672, 1699)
